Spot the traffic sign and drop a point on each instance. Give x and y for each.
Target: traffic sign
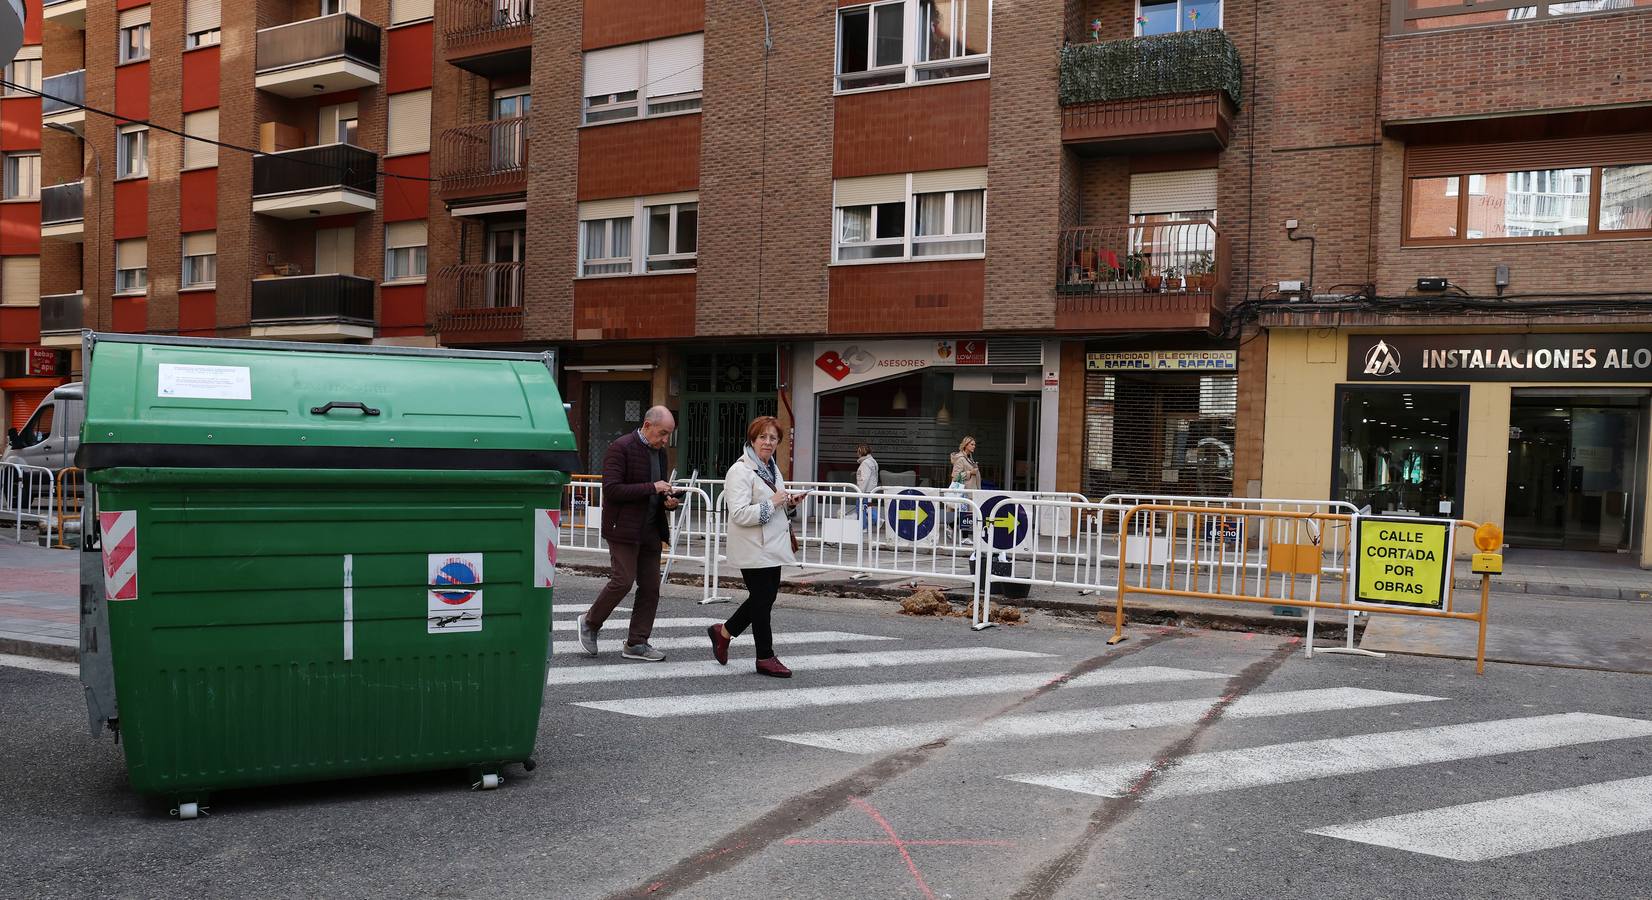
(1011, 525)
(911, 519)
(1403, 561)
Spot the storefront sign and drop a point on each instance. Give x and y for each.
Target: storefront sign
(841, 365)
(42, 361)
(1402, 561)
(972, 352)
(1603, 357)
(1163, 361)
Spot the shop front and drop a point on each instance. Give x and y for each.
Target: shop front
(1159, 421)
(1544, 432)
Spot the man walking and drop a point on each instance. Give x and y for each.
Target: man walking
(635, 500)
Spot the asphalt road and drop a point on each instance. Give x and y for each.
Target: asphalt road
(914, 758)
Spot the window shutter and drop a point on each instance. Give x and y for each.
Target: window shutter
(201, 124)
(406, 234)
(201, 243)
(612, 71)
(411, 10)
(1564, 153)
(674, 65)
(335, 251)
(1168, 192)
(664, 199)
(868, 190)
(20, 281)
(621, 208)
(409, 123)
(949, 180)
(31, 51)
(132, 254)
(131, 17)
(200, 15)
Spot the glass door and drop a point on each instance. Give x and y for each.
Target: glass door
(1023, 443)
(1573, 474)
(507, 248)
(508, 146)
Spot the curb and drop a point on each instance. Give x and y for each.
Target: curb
(1557, 589)
(40, 650)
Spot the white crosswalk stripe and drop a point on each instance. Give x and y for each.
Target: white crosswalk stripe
(573, 612)
(793, 698)
(1229, 770)
(818, 662)
(691, 622)
(1475, 832)
(882, 739)
(569, 646)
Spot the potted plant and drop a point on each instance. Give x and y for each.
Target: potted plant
(1202, 272)
(1136, 268)
(1172, 278)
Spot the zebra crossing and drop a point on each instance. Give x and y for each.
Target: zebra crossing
(858, 686)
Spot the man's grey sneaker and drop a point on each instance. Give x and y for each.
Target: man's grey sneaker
(643, 652)
(587, 636)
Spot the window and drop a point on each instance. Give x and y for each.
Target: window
(1476, 185)
(131, 266)
(649, 79)
(1569, 200)
(952, 38)
(404, 250)
(1401, 449)
(904, 41)
(201, 23)
(673, 236)
(947, 217)
(132, 151)
(1626, 198)
(605, 246)
(200, 154)
(409, 123)
(334, 7)
(337, 123)
(872, 231)
(22, 176)
(134, 35)
(24, 71)
(200, 253)
(949, 223)
(1167, 16)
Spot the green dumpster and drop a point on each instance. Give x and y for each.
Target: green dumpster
(307, 562)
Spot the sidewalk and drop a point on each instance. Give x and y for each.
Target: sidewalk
(39, 601)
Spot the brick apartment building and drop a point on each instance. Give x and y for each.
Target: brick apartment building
(1059, 226)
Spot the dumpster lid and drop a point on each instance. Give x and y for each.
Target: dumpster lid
(202, 402)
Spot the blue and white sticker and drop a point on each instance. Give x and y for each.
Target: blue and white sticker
(454, 601)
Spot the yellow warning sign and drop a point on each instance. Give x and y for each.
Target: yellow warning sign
(1403, 561)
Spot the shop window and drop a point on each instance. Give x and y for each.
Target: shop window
(1400, 449)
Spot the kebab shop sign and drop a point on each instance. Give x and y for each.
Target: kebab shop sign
(1403, 561)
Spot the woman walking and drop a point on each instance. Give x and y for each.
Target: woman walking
(965, 473)
(759, 542)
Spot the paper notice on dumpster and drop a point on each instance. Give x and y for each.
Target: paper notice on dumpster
(204, 382)
(547, 526)
(445, 615)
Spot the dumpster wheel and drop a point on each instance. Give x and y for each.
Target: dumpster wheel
(189, 810)
(487, 779)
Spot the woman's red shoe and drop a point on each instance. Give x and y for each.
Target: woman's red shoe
(773, 668)
(719, 643)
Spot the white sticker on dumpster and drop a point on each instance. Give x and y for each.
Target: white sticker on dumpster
(205, 382)
(120, 554)
(454, 601)
(455, 568)
(547, 528)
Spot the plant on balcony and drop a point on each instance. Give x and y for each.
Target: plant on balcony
(1185, 62)
(1201, 272)
(1172, 278)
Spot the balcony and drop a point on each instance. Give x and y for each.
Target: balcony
(63, 211)
(68, 13)
(333, 180)
(69, 88)
(488, 37)
(1171, 276)
(483, 303)
(1160, 94)
(485, 160)
(315, 307)
(318, 56)
(61, 318)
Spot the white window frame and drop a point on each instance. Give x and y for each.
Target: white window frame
(636, 104)
(125, 44)
(838, 244)
(637, 260)
(25, 72)
(1221, 13)
(668, 261)
(951, 234)
(134, 280)
(908, 238)
(629, 260)
(27, 183)
(210, 37)
(417, 257)
(184, 282)
(124, 167)
(910, 70)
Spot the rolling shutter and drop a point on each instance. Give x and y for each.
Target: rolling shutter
(335, 251)
(132, 254)
(674, 65)
(201, 124)
(621, 208)
(1188, 190)
(20, 281)
(409, 123)
(200, 243)
(869, 190)
(949, 180)
(1564, 153)
(131, 17)
(200, 15)
(411, 10)
(406, 234)
(614, 70)
(24, 403)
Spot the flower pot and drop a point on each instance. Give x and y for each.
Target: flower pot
(1152, 282)
(1205, 283)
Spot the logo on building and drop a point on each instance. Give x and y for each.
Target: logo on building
(1382, 360)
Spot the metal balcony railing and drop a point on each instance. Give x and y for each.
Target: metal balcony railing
(62, 313)
(60, 203)
(341, 298)
(1161, 65)
(480, 296)
(339, 36)
(472, 155)
(1177, 257)
(475, 20)
(62, 92)
(315, 169)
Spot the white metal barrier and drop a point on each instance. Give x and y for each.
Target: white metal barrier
(693, 527)
(28, 494)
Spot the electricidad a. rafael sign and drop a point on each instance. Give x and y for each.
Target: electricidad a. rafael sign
(1403, 561)
(1610, 357)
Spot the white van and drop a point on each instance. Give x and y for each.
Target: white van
(51, 435)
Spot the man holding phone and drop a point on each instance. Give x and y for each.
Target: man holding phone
(635, 500)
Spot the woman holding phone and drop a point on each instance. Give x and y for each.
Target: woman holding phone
(759, 542)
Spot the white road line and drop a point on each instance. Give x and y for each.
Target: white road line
(572, 625)
(792, 698)
(577, 674)
(1475, 832)
(35, 664)
(573, 612)
(1228, 770)
(566, 647)
(882, 739)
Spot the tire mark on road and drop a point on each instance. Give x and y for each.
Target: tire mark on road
(1054, 874)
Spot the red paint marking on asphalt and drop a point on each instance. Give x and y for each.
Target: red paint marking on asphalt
(896, 840)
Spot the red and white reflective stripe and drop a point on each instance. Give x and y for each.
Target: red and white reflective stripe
(547, 529)
(120, 554)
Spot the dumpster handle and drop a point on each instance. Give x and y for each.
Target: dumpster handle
(343, 404)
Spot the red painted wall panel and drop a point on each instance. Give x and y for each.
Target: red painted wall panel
(198, 313)
(20, 123)
(407, 198)
(410, 59)
(31, 27)
(19, 328)
(132, 90)
(401, 310)
(200, 79)
(19, 229)
(131, 314)
(130, 4)
(131, 208)
(198, 200)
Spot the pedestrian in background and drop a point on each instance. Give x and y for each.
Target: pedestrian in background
(966, 475)
(760, 541)
(866, 482)
(635, 500)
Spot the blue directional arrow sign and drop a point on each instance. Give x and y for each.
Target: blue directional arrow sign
(911, 517)
(1010, 522)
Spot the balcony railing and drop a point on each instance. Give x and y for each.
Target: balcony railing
(1430, 15)
(62, 313)
(480, 297)
(313, 298)
(1186, 62)
(332, 167)
(62, 92)
(340, 36)
(1170, 258)
(472, 21)
(476, 158)
(61, 203)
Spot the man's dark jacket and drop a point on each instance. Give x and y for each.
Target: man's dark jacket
(627, 490)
